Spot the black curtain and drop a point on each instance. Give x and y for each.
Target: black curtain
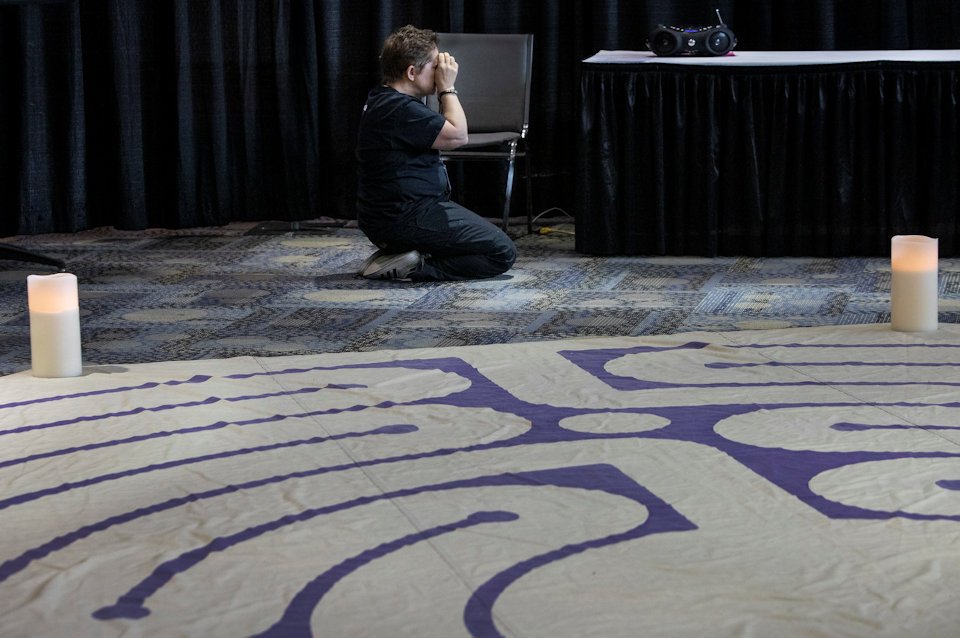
(182, 113)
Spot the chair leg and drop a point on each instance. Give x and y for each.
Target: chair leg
(529, 193)
(509, 191)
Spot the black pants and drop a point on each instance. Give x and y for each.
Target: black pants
(458, 243)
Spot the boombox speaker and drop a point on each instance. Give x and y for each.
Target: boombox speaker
(715, 40)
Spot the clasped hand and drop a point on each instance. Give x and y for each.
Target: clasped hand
(446, 73)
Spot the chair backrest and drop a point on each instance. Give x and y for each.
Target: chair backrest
(494, 79)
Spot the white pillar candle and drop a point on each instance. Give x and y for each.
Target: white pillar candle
(54, 325)
(913, 285)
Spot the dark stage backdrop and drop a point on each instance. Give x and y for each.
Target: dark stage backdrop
(184, 113)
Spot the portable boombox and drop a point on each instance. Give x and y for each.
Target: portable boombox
(715, 40)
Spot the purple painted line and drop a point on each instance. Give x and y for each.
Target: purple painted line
(219, 425)
(761, 346)
(594, 362)
(864, 427)
(108, 415)
(295, 622)
(438, 363)
(15, 565)
(720, 365)
(662, 518)
(79, 395)
(537, 435)
(460, 367)
(790, 469)
(201, 378)
(88, 418)
(952, 485)
(421, 364)
(26, 497)
(600, 477)
(478, 612)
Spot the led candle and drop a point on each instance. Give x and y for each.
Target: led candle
(54, 325)
(913, 285)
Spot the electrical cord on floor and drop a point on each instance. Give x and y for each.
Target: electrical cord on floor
(550, 210)
(546, 230)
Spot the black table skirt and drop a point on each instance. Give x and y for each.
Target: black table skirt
(828, 160)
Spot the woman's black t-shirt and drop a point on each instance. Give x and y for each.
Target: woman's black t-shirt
(399, 174)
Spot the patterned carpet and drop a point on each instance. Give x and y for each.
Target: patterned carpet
(275, 289)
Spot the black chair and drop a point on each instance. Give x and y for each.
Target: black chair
(494, 89)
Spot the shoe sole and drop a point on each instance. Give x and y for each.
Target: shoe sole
(396, 267)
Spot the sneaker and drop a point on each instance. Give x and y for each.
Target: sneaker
(369, 260)
(395, 266)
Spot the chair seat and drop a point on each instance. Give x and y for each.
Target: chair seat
(488, 139)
